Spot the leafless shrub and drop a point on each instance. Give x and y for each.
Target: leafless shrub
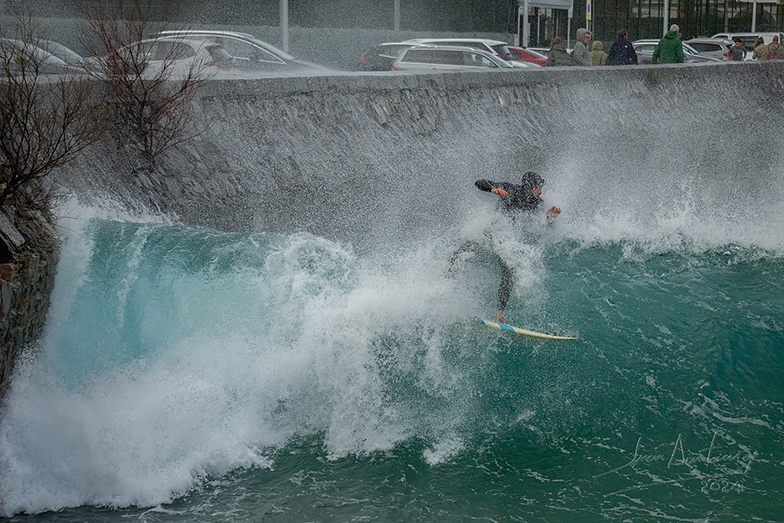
(45, 120)
(151, 91)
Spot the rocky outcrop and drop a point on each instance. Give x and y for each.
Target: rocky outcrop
(28, 252)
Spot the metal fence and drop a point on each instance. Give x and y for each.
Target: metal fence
(645, 19)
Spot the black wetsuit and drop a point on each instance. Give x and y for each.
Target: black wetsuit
(520, 200)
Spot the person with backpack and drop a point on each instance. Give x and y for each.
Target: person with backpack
(760, 50)
(775, 51)
(622, 51)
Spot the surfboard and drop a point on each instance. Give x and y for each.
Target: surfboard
(517, 330)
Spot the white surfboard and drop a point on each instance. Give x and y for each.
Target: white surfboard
(516, 330)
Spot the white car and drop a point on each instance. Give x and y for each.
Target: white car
(645, 48)
(748, 39)
(496, 47)
(716, 47)
(181, 55)
(249, 52)
(448, 58)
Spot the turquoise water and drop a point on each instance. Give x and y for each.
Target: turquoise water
(192, 375)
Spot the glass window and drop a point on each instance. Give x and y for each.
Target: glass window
(421, 56)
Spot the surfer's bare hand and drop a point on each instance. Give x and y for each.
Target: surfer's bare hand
(499, 192)
(553, 211)
(500, 317)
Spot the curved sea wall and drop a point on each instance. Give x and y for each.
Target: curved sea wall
(329, 154)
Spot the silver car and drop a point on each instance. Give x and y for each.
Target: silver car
(249, 52)
(496, 47)
(448, 58)
(716, 47)
(645, 49)
(25, 57)
(179, 56)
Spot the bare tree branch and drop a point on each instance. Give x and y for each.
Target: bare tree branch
(45, 120)
(152, 105)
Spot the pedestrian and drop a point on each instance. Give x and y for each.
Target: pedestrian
(515, 201)
(598, 56)
(738, 51)
(669, 50)
(558, 54)
(760, 50)
(775, 49)
(622, 51)
(580, 54)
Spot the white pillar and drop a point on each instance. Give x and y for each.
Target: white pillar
(397, 15)
(754, 18)
(284, 23)
(666, 17)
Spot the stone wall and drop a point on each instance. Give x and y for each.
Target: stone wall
(26, 279)
(325, 154)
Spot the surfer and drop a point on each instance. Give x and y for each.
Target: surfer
(515, 201)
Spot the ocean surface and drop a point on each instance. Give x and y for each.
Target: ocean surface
(188, 374)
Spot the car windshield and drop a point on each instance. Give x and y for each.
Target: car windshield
(391, 51)
(221, 36)
(40, 56)
(61, 52)
(245, 50)
(502, 50)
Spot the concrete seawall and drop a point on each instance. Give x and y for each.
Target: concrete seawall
(324, 154)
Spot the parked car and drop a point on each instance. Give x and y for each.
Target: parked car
(748, 39)
(22, 56)
(380, 57)
(249, 52)
(446, 58)
(716, 47)
(495, 47)
(521, 54)
(181, 54)
(645, 49)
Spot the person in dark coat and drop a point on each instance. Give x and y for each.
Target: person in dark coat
(515, 200)
(622, 51)
(738, 51)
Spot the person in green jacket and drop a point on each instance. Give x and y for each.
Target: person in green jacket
(669, 50)
(558, 54)
(598, 56)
